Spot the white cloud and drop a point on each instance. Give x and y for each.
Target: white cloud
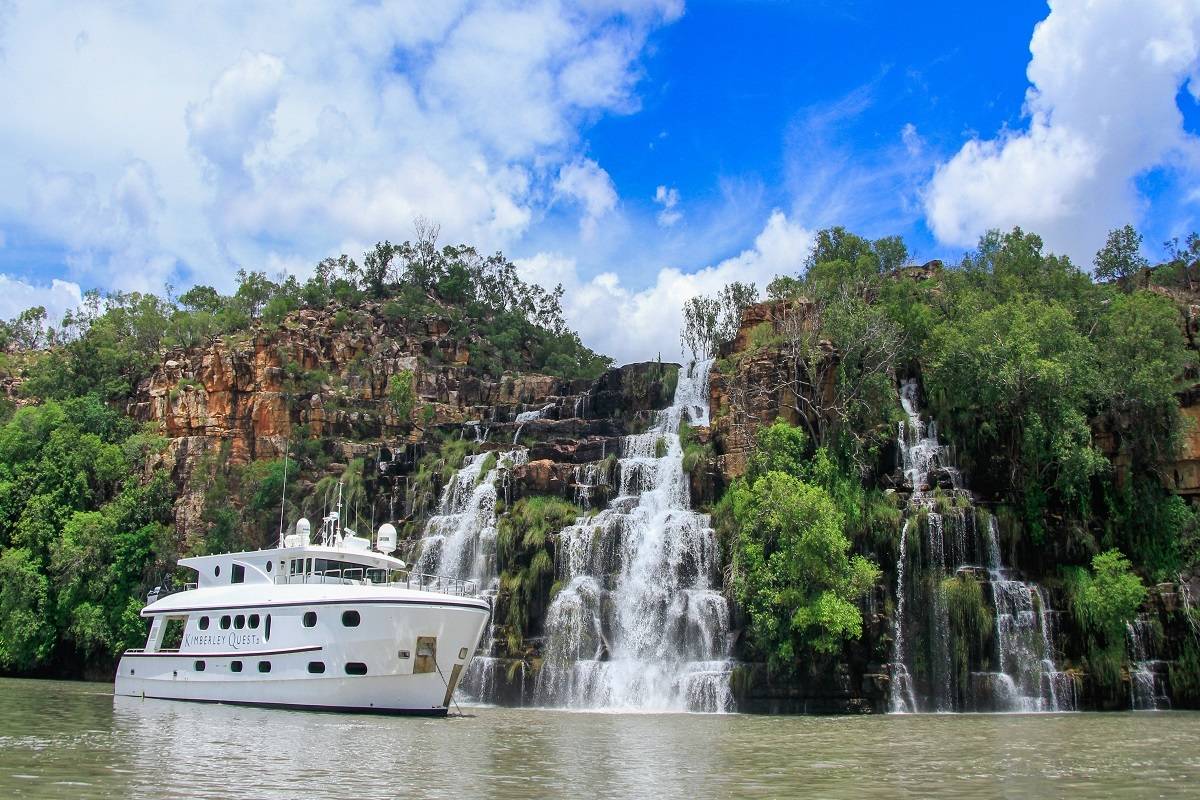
(267, 134)
(668, 199)
(59, 297)
(585, 182)
(1102, 110)
(639, 324)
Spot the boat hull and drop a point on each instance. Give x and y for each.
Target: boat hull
(378, 665)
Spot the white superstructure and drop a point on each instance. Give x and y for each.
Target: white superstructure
(332, 625)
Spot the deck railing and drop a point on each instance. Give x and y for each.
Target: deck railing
(418, 581)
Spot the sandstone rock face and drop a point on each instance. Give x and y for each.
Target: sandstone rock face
(245, 397)
(751, 384)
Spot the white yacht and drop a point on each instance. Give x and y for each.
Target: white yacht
(330, 625)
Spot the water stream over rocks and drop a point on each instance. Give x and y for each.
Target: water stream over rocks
(460, 541)
(968, 633)
(641, 622)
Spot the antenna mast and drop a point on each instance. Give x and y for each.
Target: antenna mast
(283, 492)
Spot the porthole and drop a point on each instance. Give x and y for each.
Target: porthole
(199, 666)
(239, 621)
(264, 666)
(268, 566)
(310, 619)
(225, 622)
(217, 571)
(253, 620)
(235, 666)
(351, 618)
(204, 623)
(316, 667)
(267, 628)
(356, 668)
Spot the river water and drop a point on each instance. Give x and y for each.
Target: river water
(60, 739)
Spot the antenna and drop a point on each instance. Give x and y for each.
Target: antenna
(283, 492)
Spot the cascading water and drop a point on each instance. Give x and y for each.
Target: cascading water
(640, 622)
(1147, 687)
(929, 669)
(529, 416)
(460, 541)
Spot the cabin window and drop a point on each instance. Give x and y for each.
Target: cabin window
(402, 655)
(235, 666)
(267, 628)
(316, 667)
(204, 623)
(310, 619)
(351, 618)
(238, 575)
(268, 566)
(199, 666)
(308, 566)
(239, 621)
(356, 668)
(225, 622)
(172, 635)
(217, 570)
(462, 653)
(253, 620)
(264, 666)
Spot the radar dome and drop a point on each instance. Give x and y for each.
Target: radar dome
(303, 529)
(385, 539)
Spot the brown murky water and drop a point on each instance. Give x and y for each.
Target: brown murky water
(61, 739)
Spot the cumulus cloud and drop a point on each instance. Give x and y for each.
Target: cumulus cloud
(57, 298)
(585, 182)
(273, 137)
(636, 324)
(668, 198)
(1104, 77)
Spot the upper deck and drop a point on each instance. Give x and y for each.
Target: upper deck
(317, 565)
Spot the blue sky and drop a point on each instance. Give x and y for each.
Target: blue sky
(637, 152)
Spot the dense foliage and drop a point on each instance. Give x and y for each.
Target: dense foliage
(792, 568)
(83, 533)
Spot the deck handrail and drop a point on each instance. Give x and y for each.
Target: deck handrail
(417, 581)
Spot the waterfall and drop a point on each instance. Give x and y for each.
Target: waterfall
(640, 622)
(460, 541)
(902, 698)
(1024, 675)
(1147, 687)
(529, 416)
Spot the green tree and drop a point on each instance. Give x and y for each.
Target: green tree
(793, 572)
(1121, 257)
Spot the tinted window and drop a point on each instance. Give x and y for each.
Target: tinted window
(235, 666)
(239, 621)
(264, 666)
(204, 623)
(351, 619)
(254, 620)
(267, 628)
(238, 575)
(316, 667)
(356, 668)
(225, 622)
(199, 666)
(310, 618)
